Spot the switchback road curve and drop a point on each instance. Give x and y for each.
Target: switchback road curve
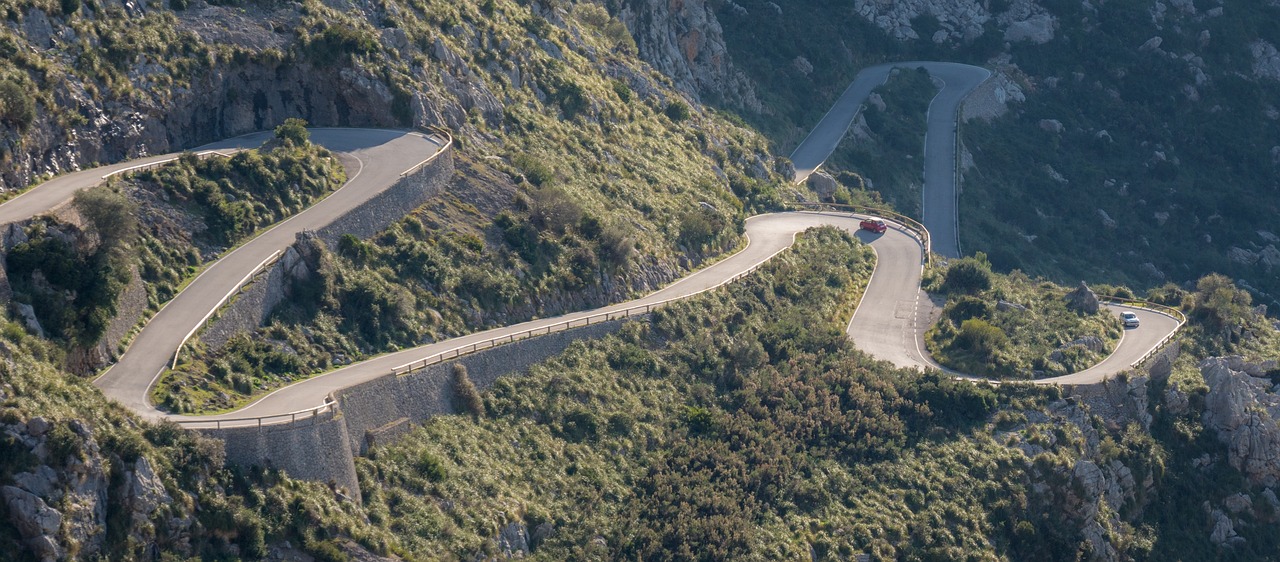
(888, 324)
(939, 198)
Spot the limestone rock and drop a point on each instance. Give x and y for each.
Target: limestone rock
(513, 540)
(28, 316)
(1243, 412)
(143, 492)
(1224, 533)
(1082, 299)
(1266, 60)
(684, 41)
(1238, 503)
(1037, 29)
(823, 184)
(34, 520)
(1051, 125)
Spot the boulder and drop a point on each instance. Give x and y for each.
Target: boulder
(1238, 503)
(1051, 125)
(1223, 533)
(824, 185)
(28, 316)
(1083, 300)
(1242, 411)
(1036, 29)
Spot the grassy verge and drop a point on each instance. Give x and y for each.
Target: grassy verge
(1012, 326)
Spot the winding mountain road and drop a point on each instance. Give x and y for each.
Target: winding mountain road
(889, 322)
(939, 192)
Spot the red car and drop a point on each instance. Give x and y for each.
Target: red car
(876, 226)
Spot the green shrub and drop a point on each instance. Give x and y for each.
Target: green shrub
(465, 396)
(677, 111)
(979, 336)
(968, 275)
(293, 131)
(17, 106)
(338, 43)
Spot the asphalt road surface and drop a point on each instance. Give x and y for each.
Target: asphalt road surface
(889, 323)
(380, 157)
(939, 192)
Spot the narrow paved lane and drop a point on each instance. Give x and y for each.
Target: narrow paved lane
(381, 156)
(939, 197)
(889, 323)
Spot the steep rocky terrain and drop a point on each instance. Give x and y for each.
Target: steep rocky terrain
(742, 425)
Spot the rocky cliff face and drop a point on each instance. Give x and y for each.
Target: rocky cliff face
(59, 505)
(1243, 408)
(683, 40)
(254, 89)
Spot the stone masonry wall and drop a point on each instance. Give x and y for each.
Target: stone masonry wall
(249, 309)
(376, 410)
(376, 214)
(254, 305)
(324, 448)
(316, 449)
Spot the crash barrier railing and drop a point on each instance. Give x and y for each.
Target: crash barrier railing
(276, 256)
(913, 225)
(158, 163)
(258, 421)
(1163, 309)
(448, 142)
(638, 310)
(244, 282)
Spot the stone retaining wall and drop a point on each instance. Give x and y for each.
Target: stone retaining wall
(372, 409)
(379, 411)
(253, 306)
(316, 449)
(249, 309)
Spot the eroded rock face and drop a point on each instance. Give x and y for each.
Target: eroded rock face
(35, 521)
(1083, 300)
(684, 41)
(1243, 411)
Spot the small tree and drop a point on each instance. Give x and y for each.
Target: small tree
(968, 275)
(110, 215)
(465, 396)
(294, 132)
(677, 110)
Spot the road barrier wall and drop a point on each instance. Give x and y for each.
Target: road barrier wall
(322, 445)
(317, 448)
(382, 210)
(254, 304)
(373, 410)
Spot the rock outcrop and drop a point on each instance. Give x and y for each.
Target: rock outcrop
(685, 42)
(1082, 300)
(1243, 410)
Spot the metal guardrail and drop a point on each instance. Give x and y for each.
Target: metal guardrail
(1162, 309)
(638, 310)
(330, 405)
(159, 163)
(913, 225)
(448, 142)
(244, 282)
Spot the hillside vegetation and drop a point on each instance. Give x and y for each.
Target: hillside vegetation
(1012, 326)
(152, 232)
(1078, 171)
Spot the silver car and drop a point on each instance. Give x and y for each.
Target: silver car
(1129, 319)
